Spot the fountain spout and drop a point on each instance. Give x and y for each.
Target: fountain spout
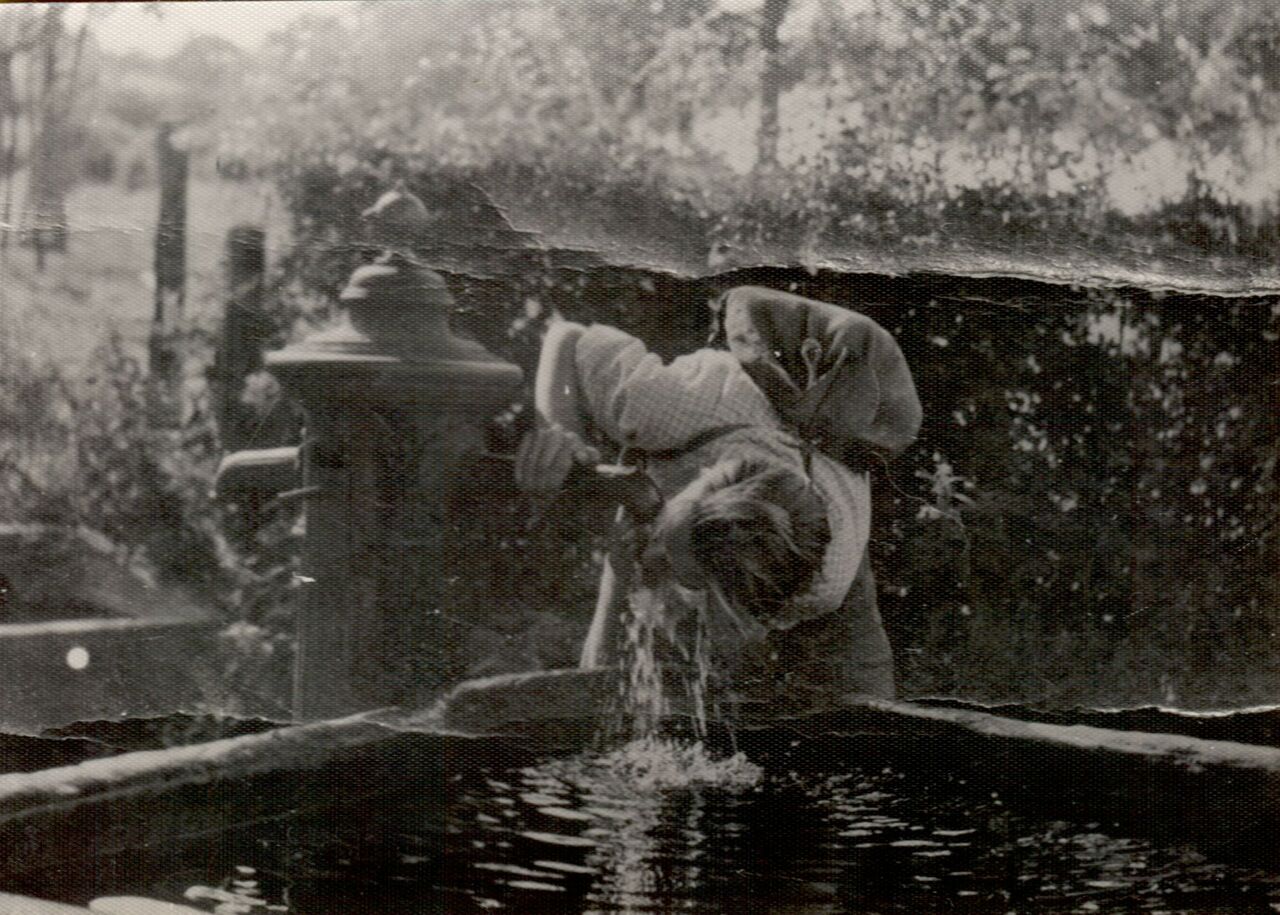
(395, 405)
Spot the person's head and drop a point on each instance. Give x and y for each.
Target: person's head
(752, 529)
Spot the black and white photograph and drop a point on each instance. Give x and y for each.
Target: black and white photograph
(618, 456)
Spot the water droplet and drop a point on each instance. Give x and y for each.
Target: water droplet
(534, 885)
(552, 838)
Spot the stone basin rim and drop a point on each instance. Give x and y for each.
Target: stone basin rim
(121, 796)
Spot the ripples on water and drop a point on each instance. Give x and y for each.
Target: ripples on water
(663, 826)
(668, 828)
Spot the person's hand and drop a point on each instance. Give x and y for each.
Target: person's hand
(547, 455)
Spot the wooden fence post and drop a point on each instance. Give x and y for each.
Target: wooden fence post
(170, 276)
(244, 330)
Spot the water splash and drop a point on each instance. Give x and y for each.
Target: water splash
(656, 763)
(666, 644)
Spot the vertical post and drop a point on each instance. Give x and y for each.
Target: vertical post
(333, 468)
(243, 330)
(170, 276)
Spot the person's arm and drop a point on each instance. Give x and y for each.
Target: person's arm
(547, 455)
(559, 400)
(556, 391)
(636, 400)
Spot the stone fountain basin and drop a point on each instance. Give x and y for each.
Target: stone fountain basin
(1215, 791)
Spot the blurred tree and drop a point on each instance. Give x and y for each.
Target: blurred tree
(771, 17)
(19, 37)
(56, 85)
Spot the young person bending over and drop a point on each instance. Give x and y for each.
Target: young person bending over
(759, 515)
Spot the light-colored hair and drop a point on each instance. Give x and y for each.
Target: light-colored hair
(759, 531)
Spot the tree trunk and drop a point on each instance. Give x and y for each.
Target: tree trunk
(9, 112)
(770, 83)
(46, 223)
(170, 277)
(46, 196)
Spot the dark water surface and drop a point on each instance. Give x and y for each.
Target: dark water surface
(814, 834)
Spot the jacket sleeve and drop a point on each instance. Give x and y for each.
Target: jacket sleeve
(556, 391)
(637, 400)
